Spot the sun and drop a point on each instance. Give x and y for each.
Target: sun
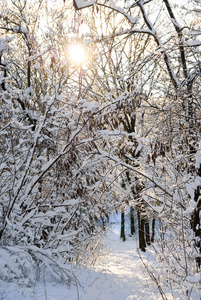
(77, 54)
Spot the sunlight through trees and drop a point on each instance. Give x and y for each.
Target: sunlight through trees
(100, 113)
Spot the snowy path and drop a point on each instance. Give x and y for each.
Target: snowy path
(120, 274)
(117, 275)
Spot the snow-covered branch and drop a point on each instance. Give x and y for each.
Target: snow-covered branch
(80, 4)
(159, 43)
(135, 170)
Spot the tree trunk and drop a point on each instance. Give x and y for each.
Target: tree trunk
(153, 230)
(3, 66)
(147, 231)
(122, 235)
(132, 220)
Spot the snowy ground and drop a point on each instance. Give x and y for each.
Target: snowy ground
(117, 275)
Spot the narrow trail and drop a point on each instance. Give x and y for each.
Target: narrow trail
(120, 274)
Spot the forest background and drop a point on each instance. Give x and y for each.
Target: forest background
(115, 127)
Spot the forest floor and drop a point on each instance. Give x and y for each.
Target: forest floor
(118, 274)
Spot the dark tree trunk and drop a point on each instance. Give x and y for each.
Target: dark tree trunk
(141, 236)
(153, 230)
(122, 235)
(147, 231)
(3, 66)
(29, 74)
(132, 220)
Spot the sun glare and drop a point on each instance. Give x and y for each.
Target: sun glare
(77, 53)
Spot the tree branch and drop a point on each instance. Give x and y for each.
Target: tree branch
(180, 35)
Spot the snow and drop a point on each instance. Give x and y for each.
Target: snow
(193, 43)
(117, 274)
(193, 32)
(82, 4)
(112, 5)
(20, 29)
(195, 278)
(88, 106)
